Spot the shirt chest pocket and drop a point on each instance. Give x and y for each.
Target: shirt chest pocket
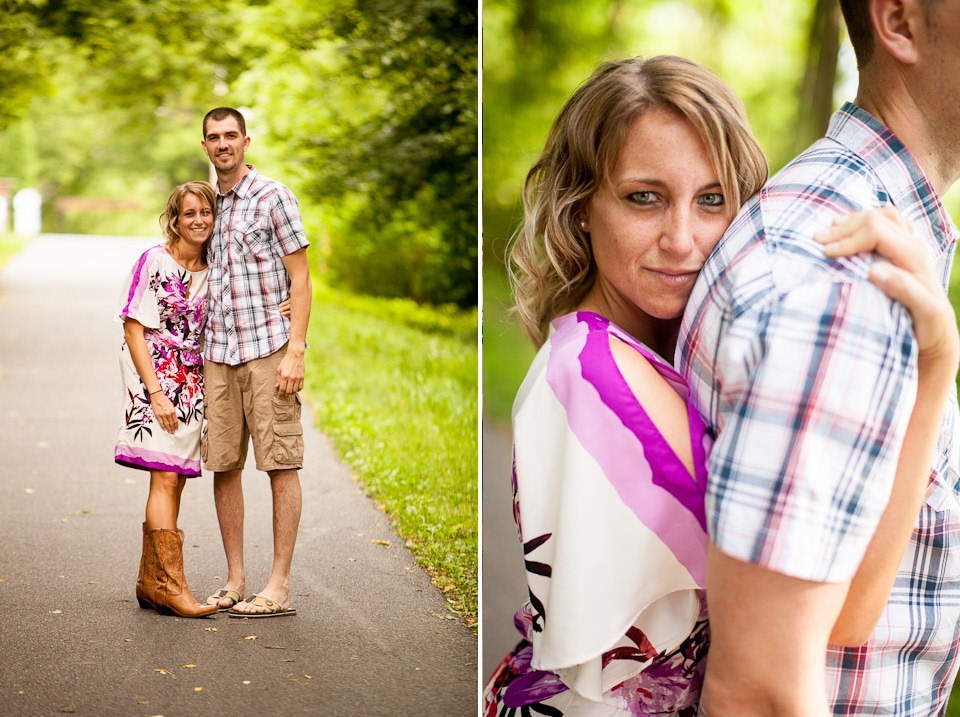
(249, 238)
(943, 492)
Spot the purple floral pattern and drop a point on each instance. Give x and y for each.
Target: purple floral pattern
(171, 303)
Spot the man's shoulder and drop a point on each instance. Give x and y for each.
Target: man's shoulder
(263, 186)
(824, 182)
(810, 193)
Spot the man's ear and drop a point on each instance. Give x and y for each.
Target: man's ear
(895, 24)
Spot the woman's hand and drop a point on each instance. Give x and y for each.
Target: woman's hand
(164, 412)
(285, 308)
(907, 276)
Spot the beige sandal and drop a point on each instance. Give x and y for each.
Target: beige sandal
(274, 608)
(220, 595)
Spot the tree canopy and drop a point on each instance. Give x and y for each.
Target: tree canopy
(367, 109)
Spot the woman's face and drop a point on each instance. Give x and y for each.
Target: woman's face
(654, 223)
(195, 223)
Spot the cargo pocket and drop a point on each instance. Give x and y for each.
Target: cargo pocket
(288, 443)
(286, 408)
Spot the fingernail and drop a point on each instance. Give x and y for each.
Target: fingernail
(821, 237)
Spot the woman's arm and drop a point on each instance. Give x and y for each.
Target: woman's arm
(910, 279)
(163, 409)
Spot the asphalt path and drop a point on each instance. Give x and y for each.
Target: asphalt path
(503, 586)
(372, 635)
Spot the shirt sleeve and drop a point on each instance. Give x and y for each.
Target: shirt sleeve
(816, 392)
(138, 299)
(287, 223)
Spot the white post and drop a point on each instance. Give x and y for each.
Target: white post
(26, 212)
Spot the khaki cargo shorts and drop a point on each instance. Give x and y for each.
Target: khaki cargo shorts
(242, 403)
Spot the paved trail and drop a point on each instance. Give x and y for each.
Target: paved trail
(504, 580)
(373, 636)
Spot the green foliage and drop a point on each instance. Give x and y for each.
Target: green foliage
(400, 404)
(366, 109)
(389, 154)
(507, 353)
(144, 53)
(536, 54)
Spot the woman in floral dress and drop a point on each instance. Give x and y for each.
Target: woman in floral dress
(163, 307)
(643, 170)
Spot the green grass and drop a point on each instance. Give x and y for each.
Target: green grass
(10, 246)
(507, 353)
(394, 386)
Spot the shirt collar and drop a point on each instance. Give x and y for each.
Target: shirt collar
(243, 186)
(901, 176)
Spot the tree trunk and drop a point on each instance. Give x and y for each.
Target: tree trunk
(820, 74)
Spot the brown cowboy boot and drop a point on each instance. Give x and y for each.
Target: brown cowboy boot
(147, 574)
(172, 594)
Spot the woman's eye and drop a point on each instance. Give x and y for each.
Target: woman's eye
(642, 197)
(712, 200)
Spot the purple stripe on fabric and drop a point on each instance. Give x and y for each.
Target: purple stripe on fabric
(137, 287)
(632, 466)
(153, 461)
(599, 368)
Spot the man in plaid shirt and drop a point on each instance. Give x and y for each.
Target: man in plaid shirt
(807, 374)
(253, 368)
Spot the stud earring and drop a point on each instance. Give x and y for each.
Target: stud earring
(583, 225)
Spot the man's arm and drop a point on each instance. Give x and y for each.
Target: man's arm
(768, 640)
(290, 372)
(817, 393)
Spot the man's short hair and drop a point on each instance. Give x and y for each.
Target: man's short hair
(221, 113)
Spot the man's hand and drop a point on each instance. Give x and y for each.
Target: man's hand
(290, 374)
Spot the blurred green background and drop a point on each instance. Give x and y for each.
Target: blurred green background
(789, 61)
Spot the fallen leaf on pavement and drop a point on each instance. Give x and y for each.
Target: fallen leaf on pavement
(188, 667)
(198, 689)
(381, 542)
(250, 637)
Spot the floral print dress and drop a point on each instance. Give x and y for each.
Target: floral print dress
(614, 540)
(171, 303)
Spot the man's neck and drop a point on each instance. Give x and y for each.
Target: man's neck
(226, 182)
(897, 108)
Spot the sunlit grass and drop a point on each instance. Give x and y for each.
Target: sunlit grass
(10, 246)
(394, 386)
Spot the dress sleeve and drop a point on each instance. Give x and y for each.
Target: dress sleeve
(138, 299)
(815, 396)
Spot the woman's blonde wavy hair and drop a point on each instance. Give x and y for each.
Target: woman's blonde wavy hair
(168, 220)
(549, 258)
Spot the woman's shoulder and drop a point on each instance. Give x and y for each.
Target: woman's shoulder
(151, 256)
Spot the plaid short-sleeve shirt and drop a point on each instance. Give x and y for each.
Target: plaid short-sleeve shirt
(258, 223)
(807, 374)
